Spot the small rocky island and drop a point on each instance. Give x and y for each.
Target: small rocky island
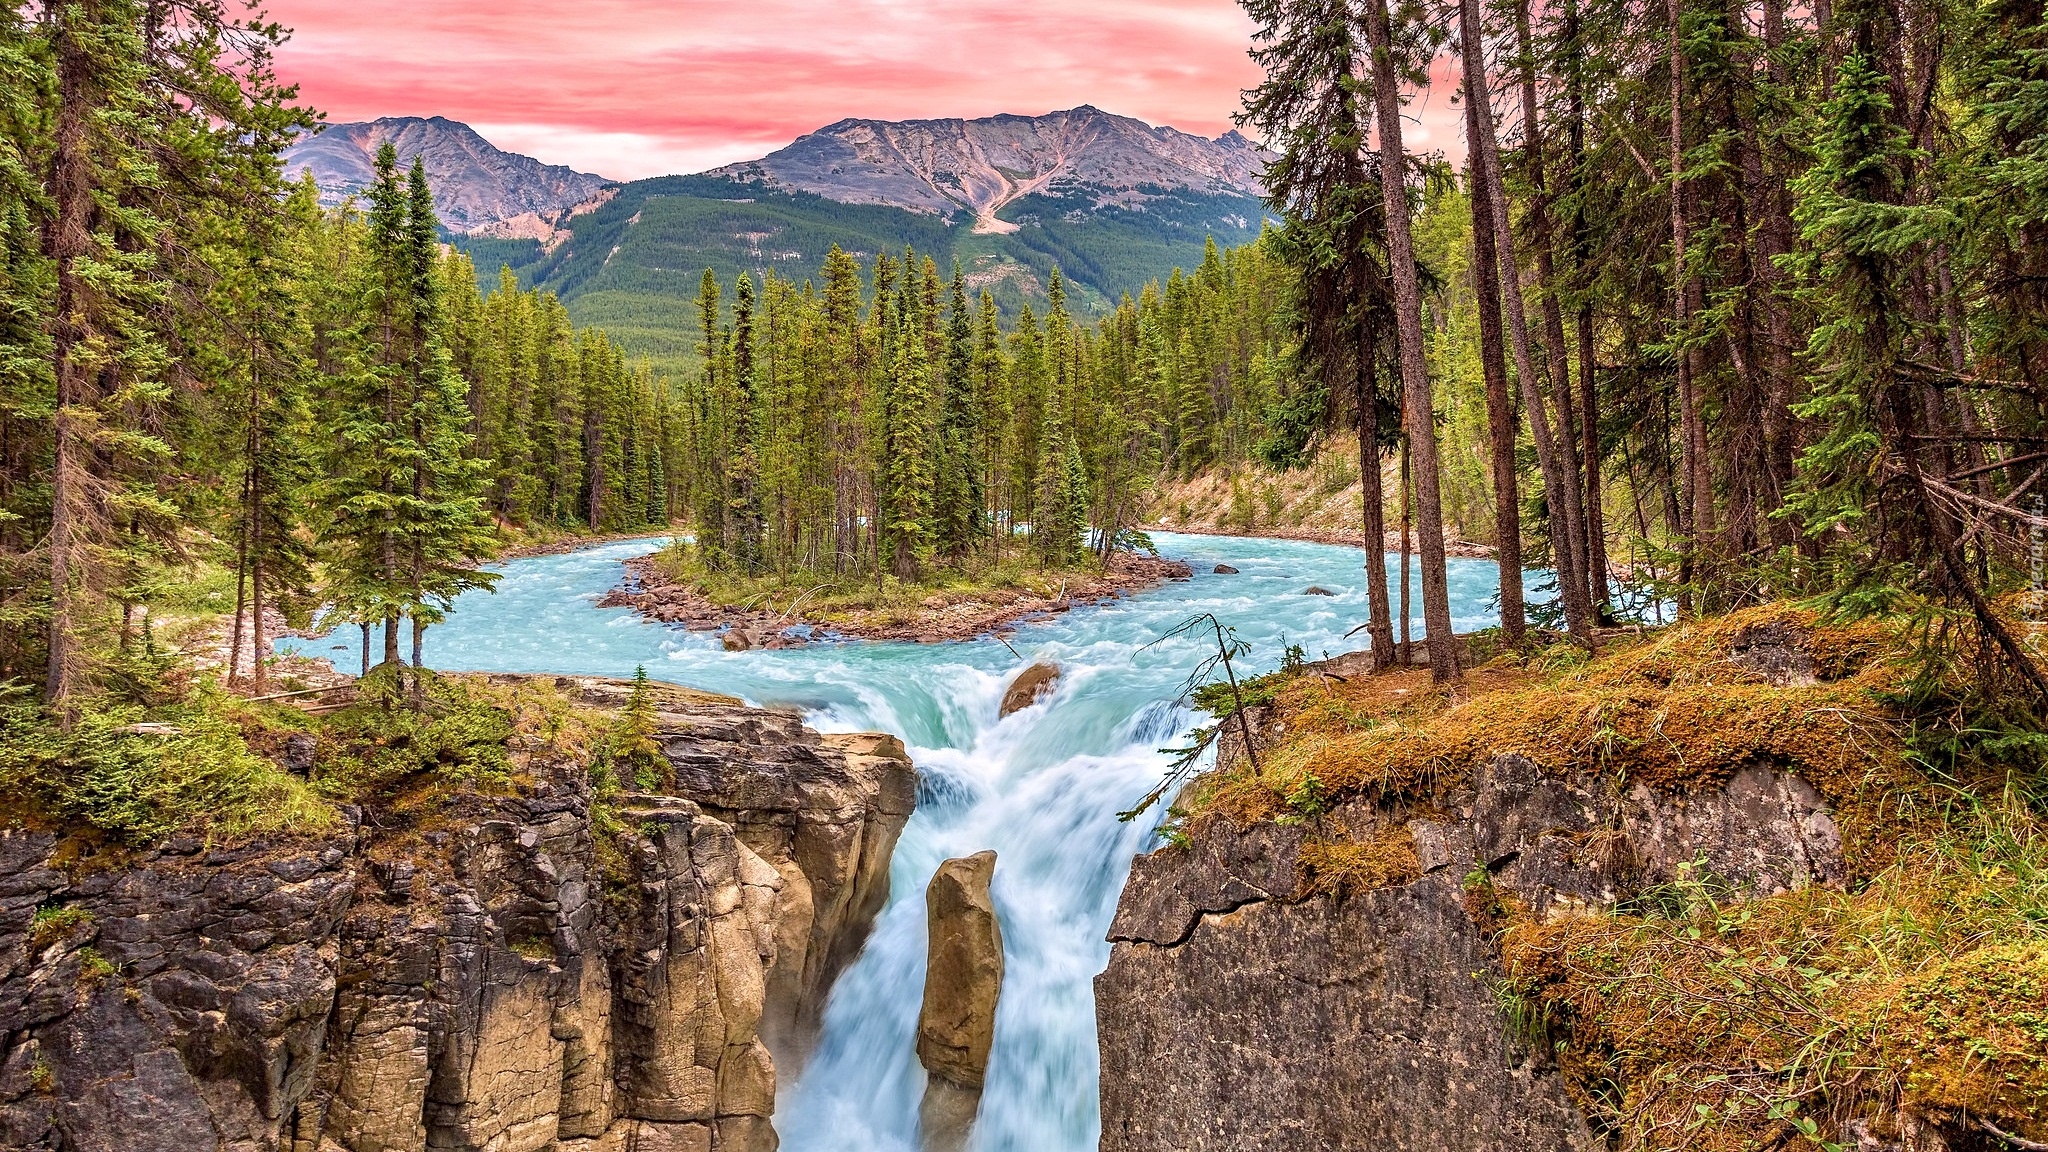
(657, 595)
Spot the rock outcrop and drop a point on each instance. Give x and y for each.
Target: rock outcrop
(508, 978)
(963, 981)
(1240, 1012)
(1031, 685)
(478, 189)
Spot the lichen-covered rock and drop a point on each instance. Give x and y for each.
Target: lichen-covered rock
(963, 981)
(1242, 1012)
(481, 986)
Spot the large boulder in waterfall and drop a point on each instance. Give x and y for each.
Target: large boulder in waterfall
(963, 980)
(1031, 685)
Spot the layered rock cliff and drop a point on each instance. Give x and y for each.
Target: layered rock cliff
(530, 972)
(1240, 1012)
(1614, 907)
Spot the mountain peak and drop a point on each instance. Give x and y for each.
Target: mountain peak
(953, 167)
(479, 189)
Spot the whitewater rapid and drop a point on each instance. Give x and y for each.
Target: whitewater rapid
(1041, 787)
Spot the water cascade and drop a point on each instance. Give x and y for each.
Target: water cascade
(1042, 787)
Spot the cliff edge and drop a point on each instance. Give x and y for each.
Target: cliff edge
(573, 965)
(1653, 901)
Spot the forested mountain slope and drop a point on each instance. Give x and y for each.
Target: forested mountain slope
(1110, 201)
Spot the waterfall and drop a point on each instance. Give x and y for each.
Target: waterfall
(1041, 787)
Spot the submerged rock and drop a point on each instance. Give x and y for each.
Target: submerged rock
(963, 981)
(1031, 685)
(1225, 570)
(1316, 590)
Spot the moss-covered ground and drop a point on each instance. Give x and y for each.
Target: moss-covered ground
(1912, 999)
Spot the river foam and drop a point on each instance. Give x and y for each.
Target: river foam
(1042, 787)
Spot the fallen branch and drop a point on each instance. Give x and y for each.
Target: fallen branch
(2020, 1142)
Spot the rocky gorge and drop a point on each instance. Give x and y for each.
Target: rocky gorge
(1654, 902)
(532, 972)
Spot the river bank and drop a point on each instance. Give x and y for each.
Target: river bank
(1317, 534)
(1041, 787)
(939, 616)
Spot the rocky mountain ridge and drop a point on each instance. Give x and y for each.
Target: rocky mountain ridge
(977, 167)
(479, 189)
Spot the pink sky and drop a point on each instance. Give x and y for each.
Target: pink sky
(633, 88)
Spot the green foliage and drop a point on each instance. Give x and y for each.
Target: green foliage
(54, 922)
(140, 775)
(455, 737)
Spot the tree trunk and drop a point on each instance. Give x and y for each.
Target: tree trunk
(1775, 240)
(241, 591)
(258, 673)
(1560, 481)
(1695, 482)
(1417, 406)
(1379, 627)
(366, 648)
(1500, 406)
(1589, 393)
(70, 241)
(1544, 242)
(1407, 604)
(1596, 516)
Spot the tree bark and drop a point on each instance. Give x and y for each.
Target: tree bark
(1379, 628)
(1560, 481)
(1695, 478)
(1417, 406)
(69, 241)
(1407, 602)
(1544, 242)
(1589, 393)
(1500, 405)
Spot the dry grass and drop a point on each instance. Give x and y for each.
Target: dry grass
(1706, 1024)
(1347, 866)
(1675, 712)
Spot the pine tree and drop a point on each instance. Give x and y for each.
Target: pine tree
(960, 497)
(444, 525)
(909, 456)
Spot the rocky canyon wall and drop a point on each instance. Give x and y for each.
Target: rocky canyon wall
(1241, 1013)
(510, 979)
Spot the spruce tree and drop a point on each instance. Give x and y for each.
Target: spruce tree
(445, 525)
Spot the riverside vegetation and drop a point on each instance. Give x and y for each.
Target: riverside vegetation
(1765, 274)
(1752, 293)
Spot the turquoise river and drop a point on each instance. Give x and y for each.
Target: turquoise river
(1041, 787)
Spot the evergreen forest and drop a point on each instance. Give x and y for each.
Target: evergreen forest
(1722, 306)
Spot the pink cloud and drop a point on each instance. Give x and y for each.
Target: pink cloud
(632, 88)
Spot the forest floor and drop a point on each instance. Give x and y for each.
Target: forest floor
(1319, 503)
(668, 589)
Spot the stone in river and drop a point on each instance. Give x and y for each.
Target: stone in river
(1317, 590)
(1225, 570)
(1031, 685)
(963, 981)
